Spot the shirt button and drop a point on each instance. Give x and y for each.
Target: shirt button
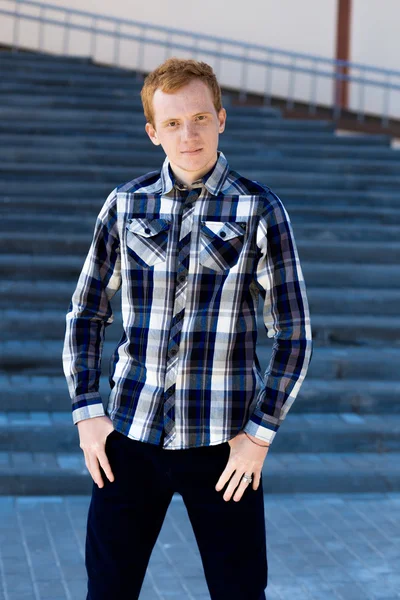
(222, 234)
(173, 351)
(181, 277)
(147, 230)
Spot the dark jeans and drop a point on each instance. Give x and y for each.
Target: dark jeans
(125, 518)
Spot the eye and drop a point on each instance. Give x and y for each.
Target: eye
(171, 122)
(201, 116)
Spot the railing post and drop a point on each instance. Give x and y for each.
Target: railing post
(14, 48)
(93, 38)
(66, 33)
(291, 86)
(242, 93)
(139, 67)
(168, 46)
(360, 115)
(268, 82)
(117, 42)
(196, 47)
(313, 99)
(217, 69)
(41, 27)
(337, 95)
(386, 99)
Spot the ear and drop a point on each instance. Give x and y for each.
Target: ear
(222, 119)
(151, 132)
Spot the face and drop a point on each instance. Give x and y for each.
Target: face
(187, 127)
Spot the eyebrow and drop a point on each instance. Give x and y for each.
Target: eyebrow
(203, 112)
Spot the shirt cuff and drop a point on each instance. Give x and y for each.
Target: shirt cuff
(87, 406)
(258, 426)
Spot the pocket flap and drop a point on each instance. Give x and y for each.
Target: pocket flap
(147, 227)
(225, 231)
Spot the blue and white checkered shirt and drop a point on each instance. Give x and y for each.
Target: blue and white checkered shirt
(191, 263)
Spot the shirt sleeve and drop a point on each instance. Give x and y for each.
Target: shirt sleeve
(286, 318)
(90, 313)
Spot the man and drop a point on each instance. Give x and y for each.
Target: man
(192, 246)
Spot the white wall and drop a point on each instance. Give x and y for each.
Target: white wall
(376, 42)
(308, 26)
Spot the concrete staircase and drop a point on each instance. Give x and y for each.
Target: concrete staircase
(70, 131)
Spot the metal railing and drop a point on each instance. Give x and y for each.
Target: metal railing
(319, 67)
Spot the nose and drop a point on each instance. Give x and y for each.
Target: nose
(188, 131)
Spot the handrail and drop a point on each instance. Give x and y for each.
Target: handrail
(339, 71)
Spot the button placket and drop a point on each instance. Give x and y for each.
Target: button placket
(178, 312)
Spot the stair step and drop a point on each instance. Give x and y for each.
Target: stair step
(43, 116)
(71, 78)
(322, 151)
(60, 473)
(271, 134)
(328, 432)
(334, 238)
(359, 396)
(39, 57)
(29, 65)
(261, 148)
(148, 161)
(39, 357)
(311, 215)
(20, 86)
(83, 213)
(358, 302)
(273, 179)
(55, 294)
(17, 267)
(48, 324)
(146, 158)
(332, 246)
(82, 197)
(356, 275)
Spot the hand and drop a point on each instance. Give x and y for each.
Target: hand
(93, 433)
(245, 457)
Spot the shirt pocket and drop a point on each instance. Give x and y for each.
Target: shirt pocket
(221, 243)
(147, 240)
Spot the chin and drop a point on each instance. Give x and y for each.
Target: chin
(201, 157)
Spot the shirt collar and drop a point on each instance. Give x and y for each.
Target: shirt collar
(214, 180)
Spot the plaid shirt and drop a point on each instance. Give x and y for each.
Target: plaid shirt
(191, 265)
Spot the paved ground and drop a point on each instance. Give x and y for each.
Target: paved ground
(320, 547)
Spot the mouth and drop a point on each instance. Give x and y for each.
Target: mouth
(193, 151)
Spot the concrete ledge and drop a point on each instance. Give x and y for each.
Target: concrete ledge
(47, 324)
(17, 267)
(312, 432)
(56, 294)
(43, 393)
(329, 363)
(30, 474)
(326, 247)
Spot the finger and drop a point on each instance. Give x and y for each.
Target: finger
(89, 462)
(105, 465)
(232, 487)
(256, 481)
(241, 490)
(95, 471)
(225, 476)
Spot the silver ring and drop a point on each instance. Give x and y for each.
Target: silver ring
(247, 478)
